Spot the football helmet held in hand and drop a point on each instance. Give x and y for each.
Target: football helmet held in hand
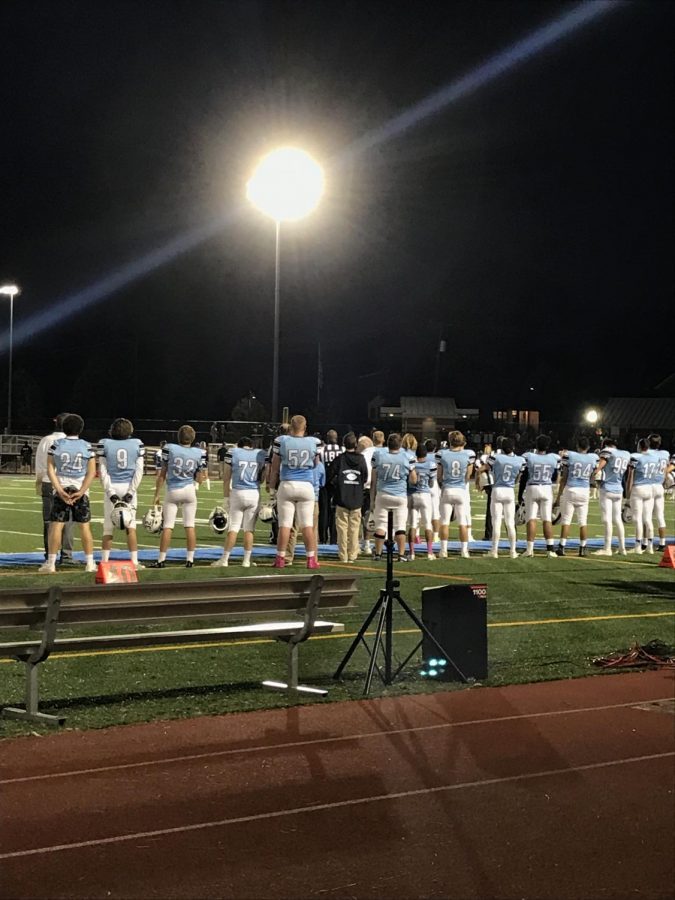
(122, 516)
(152, 520)
(218, 520)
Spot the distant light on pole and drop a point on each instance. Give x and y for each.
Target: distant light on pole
(591, 416)
(10, 290)
(286, 185)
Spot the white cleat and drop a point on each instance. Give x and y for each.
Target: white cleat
(464, 554)
(637, 550)
(623, 552)
(492, 554)
(443, 554)
(513, 554)
(367, 551)
(552, 554)
(219, 563)
(430, 556)
(650, 548)
(602, 552)
(138, 566)
(47, 569)
(246, 564)
(527, 553)
(90, 567)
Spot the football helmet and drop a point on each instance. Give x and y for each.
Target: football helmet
(218, 520)
(521, 515)
(122, 516)
(626, 512)
(152, 520)
(267, 512)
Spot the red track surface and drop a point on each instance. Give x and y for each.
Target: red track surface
(561, 789)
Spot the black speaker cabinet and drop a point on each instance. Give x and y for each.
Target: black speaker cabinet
(456, 615)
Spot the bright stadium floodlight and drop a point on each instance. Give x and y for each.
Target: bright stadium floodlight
(591, 416)
(286, 185)
(10, 290)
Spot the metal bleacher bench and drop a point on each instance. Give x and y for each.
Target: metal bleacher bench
(48, 610)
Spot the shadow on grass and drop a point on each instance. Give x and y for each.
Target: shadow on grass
(649, 588)
(205, 690)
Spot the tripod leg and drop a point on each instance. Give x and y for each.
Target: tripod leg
(423, 628)
(359, 637)
(385, 603)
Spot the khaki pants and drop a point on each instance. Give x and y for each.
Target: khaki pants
(347, 524)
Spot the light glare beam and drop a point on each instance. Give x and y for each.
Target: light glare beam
(507, 59)
(514, 55)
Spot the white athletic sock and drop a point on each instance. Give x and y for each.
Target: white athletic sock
(311, 553)
(134, 557)
(89, 558)
(444, 546)
(161, 557)
(465, 546)
(226, 555)
(530, 546)
(51, 559)
(105, 555)
(563, 542)
(247, 555)
(582, 543)
(191, 556)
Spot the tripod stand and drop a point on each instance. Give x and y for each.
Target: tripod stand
(384, 605)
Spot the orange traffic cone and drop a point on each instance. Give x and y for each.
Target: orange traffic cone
(668, 558)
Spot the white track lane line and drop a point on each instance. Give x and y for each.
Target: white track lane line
(322, 807)
(288, 745)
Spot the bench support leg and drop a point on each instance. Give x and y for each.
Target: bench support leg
(31, 712)
(292, 686)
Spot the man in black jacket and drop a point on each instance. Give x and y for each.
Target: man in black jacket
(349, 475)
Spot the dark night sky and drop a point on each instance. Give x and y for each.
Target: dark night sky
(530, 222)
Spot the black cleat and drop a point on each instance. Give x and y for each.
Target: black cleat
(403, 558)
(661, 548)
(560, 551)
(189, 564)
(377, 557)
(583, 551)
(157, 565)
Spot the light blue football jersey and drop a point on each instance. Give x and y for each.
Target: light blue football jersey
(298, 456)
(662, 458)
(541, 467)
(247, 464)
(71, 456)
(319, 478)
(455, 465)
(392, 472)
(182, 464)
(505, 468)
(120, 457)
(426, 473)
(580, 467)
(645, 467)
(616, 464)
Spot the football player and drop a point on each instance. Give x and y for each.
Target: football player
(658, 486)
(432, 447)
(542, 467)
(611, 469)
(183, 466)
(243, 470)
(455, 468)
(640, 481)
(71, 466)
(504, 468)
(293, 460)
(120, 462)
(392, 472)
(419, 501)
(574, 491)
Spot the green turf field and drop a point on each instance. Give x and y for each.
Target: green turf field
(547, 619)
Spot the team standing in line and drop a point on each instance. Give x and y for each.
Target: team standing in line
(420, 484)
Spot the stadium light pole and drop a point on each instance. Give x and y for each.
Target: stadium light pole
(286, 185)
(10, 290)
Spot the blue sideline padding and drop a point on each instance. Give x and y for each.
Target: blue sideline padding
(265, 553)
